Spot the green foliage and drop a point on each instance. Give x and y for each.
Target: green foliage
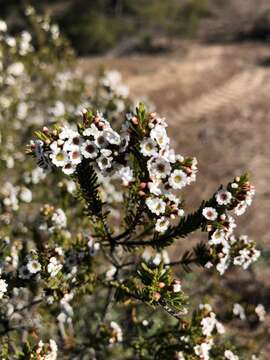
(97, 26)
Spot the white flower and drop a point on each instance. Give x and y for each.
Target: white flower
(202, 350)
(112, 137)
(210, 213)
(66, 133)
(125, 137)
(169, 155)
(93, 246)
(126, 174)
(52, 353)
(59, 157)
(156, 205)
(3, 287)
(206, 307)
(104, 162)
(75, 155)
(260, 311)
(59, 219)
(223, 264)
(91, 131)
(240, 208)
(111, 78)
(16, 69)
(24, 273)
(223, 197)
(178, 179)
(159, 134)
(74, 139)
(217, 237)
(162, 224)
(159, 168)
(69, 168)
(58, 109)
(177, 286)
(33, 266)
(155, 187)
(208, 265)
(180, 356)
(25, 44)
(148, 147)
(26, 195)
(208, 324)
(101, 140)
(238, 310)
(54, 267)
(230, 355)
(22, 110)
(111, 272)
(10, 41)
(220, 328)
(3, 26)
(117, 334)
(89, 150)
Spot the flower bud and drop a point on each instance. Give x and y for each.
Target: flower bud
(161, 285)
(177, 286)
(156, 296)
(222, 217)
(135, 120)
(143, 185)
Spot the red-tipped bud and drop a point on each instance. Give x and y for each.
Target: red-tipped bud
(161, 285)
(135, 120)
(143, 185)
(156, 296)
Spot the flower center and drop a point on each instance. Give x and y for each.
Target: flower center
(90, 148)
(177, 178)
(60, 156)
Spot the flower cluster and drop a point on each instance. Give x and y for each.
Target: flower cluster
(11, 196)
(116, 333)
(3, 287)
(167, 172)
(46, 351)
(55, 219)
(106, 149)
(209, 325)
(200, 343)
(225, 248)
(31, 266)
(244, 313)
(99, 143)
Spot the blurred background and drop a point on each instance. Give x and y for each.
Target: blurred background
(204, 65)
